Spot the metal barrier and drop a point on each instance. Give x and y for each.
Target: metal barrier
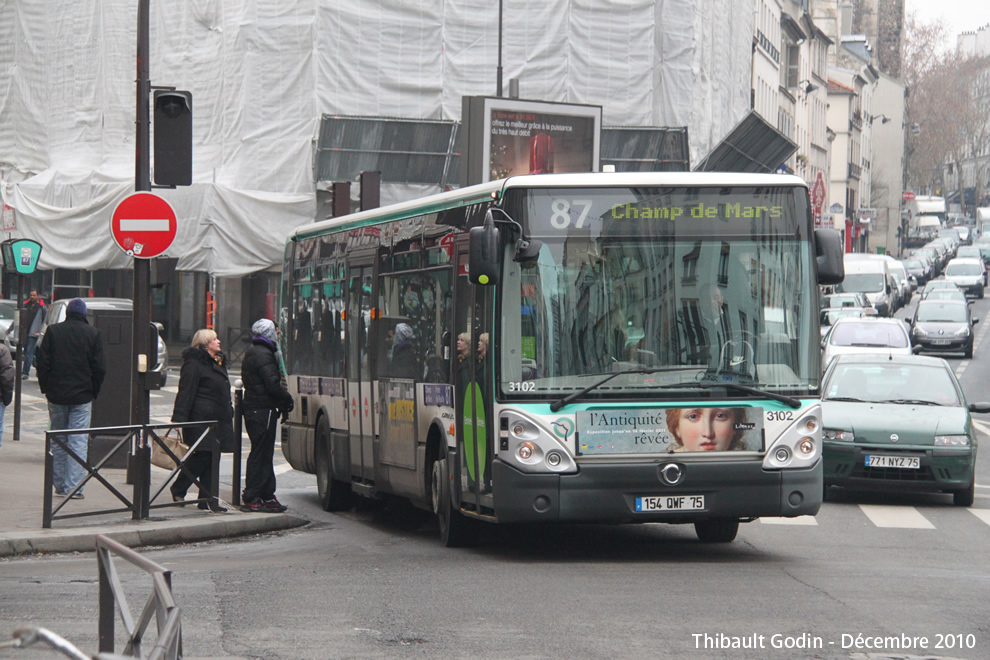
(140, 439)
(160, 604)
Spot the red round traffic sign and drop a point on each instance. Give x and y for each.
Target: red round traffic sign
(143, 225)
(908, 196)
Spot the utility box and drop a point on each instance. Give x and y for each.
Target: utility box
(113, 406)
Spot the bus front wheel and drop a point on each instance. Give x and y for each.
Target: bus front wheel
(334, 495)
(454, 527)
(717, 530)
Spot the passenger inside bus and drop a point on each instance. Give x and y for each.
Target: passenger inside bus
(404, 357)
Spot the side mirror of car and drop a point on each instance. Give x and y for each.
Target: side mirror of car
(981, 407)
(975, 321)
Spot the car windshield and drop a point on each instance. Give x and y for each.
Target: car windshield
(953, 270)
(833, 301)
(894, 383)
(861, 283)
(940, 284)
(914, 264)
(969, 251)
(945, 294)
(935, 312)
(830, 316)
(869, 333)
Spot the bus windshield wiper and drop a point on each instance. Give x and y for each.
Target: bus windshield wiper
(783, 398)
(557, 405)
(786, 400)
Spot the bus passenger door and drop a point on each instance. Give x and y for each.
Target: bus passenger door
(359, 396)
(472, 387)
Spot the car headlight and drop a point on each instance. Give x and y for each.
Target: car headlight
(962, 332)
(918, 332)
(951, 440)
(836, 434)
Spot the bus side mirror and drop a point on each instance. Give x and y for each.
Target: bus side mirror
(828, 253)
(484, 259)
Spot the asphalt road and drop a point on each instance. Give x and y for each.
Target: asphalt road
(907, 573)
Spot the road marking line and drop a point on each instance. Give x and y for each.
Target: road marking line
(983, 427)
(799, 520)
(904, 517)
(982, 514)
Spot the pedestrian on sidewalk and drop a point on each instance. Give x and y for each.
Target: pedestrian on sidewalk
(7, 372)
(203, 396)
(71, 367)
(32, 318)
(265, 399)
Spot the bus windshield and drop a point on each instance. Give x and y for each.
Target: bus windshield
(701, 284)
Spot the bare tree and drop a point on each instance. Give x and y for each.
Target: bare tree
(946, 125)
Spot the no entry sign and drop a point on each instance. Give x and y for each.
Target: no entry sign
(143, 225)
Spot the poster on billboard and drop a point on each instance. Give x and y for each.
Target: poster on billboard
(509, 137)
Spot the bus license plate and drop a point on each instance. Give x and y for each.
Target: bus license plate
(670, 503)
(908, 462)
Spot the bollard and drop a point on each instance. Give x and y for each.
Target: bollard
(235, 497)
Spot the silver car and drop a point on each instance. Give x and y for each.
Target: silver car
(866, 335)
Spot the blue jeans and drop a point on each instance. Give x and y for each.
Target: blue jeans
(3, 409)
(66, 471)
(32, 343)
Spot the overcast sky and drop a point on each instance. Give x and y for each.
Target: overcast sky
(959, 15)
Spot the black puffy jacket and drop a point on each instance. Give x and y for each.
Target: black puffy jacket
(262, 378)
(70, 362)
(204, 395)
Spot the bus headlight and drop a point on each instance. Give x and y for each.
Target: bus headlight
(525, 451)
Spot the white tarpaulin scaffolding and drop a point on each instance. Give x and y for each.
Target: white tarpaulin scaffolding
(263, 73)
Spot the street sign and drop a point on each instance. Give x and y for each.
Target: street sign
(835, 208)
(143, 225)
(908, 196)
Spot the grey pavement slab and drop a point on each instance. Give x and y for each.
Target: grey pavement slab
(22, 478)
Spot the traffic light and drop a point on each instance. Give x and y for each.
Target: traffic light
(173, 138)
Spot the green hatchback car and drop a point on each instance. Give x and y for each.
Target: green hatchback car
(898, 423)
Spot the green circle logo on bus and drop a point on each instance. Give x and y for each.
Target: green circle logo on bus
(562, 427)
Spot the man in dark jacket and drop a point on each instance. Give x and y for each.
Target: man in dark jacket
(71, 368)
(264, 400)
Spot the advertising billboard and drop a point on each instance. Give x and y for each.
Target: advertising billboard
(508, 137)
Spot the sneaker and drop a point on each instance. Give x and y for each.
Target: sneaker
(253, 506)
(24, 376)
(273, 506)
(78, 496)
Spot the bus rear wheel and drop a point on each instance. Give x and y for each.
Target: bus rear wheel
(454, 528)
(334, 495)
(717, 530)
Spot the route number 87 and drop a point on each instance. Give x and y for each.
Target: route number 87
(561, 216)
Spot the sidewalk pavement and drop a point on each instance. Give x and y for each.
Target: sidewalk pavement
(22, 479)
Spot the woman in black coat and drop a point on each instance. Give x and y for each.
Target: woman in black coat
(204, 395)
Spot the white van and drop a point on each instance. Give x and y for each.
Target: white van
(868, 274)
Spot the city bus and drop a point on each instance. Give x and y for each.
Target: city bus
(564, 348)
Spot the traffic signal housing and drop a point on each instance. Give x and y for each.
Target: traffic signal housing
(173, 138)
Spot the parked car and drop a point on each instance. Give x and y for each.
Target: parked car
(945, 326)
(898, 423)
(916, 272)
(8, 312)
(57, 312)
(866, 335)
(932, 255)
(970, 275)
